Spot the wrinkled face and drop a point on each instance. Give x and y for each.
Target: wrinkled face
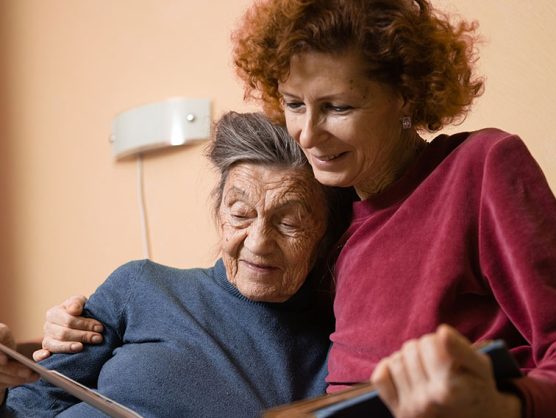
(270, 222)
(347, 124)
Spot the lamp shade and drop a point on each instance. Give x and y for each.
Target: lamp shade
(153, 126)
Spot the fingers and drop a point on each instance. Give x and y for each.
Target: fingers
(58, 346)
(384, 383)
(40, 355)
(461, 353)
(433, 374)
(8, 340)
(65, 332)
(6, 337)
(67, 315)
(402, 368)
(401, 380)
(435, 358)
(12, 373)
(74, 304)
(412, 363)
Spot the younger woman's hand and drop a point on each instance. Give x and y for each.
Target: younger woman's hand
(65, 331)
(441, 375)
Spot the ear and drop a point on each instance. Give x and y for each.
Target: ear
(220, 232)
(218, 222)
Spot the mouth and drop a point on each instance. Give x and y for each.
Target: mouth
(259, 267)
(328, 157)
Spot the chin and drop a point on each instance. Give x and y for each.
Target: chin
(332, 180)
(255, 293)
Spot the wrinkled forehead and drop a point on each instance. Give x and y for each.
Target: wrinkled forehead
(274, 186)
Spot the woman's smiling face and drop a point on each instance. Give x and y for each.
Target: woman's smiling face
(347, 124)
(271, 221)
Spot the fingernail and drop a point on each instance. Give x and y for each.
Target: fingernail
(96, 339)
(97, 328)
(76, 309)
(75, 347)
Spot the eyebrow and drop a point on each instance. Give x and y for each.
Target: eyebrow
(237, 190)
(294, 203)
(286, 94)
(329, 97)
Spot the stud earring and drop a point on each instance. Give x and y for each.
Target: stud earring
(406, 122)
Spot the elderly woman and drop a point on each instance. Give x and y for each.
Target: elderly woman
(460, 230)
(227, 341)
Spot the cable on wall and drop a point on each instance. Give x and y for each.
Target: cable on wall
(169, 123)
(142, 208)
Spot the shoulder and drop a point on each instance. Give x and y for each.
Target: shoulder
(502, 166)
(489, 147)
(148, 268)
(122, 276)
(492, 141)
(129, 269)
(480, 159)
(138, 274)
(502, 153)
(488, 140)
(141, 278)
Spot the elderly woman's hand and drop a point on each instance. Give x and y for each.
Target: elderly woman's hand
(65, 331)
(441, 375)
(12, 373)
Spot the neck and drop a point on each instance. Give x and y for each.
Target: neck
(400, 158)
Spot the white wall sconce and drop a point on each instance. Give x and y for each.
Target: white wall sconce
(153, 126)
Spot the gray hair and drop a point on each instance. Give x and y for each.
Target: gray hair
(251, 138)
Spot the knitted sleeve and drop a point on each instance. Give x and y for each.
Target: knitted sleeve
(107, 304)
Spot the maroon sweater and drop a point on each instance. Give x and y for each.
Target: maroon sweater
(466, 237)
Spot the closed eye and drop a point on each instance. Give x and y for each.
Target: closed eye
(289, 226)
(239, 216)
(337, 108)
(293, 105)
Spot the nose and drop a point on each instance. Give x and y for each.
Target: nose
(311, 133)
(259, 239)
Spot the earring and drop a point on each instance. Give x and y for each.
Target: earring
(406, 122)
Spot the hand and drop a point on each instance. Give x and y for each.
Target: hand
(12, 373)
(441, 375)
(65, 330)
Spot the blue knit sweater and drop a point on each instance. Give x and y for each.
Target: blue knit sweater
(186, 343)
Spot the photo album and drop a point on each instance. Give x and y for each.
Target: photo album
(363, 401)
(360, 400)
(101, 402)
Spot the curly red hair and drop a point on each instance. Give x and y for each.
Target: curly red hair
(406, 43)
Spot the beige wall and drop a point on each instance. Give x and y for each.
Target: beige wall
(518, 58)
(68, 212)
